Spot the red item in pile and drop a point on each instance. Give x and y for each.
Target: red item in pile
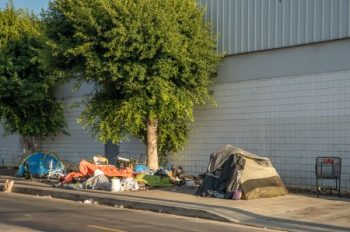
(87, 169)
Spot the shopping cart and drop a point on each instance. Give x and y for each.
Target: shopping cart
(329, 169)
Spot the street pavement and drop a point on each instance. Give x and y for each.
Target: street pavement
(293, 212)
(32, 213)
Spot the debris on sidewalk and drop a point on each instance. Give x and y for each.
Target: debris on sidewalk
(99, 174)
(119, 206)
(87, 169)
(127, 175)
(99, 182)
(43, 196)
(8, 185)
(88, 201)
(100, 160)
(154, 180)
(71, 186)
(140, 168)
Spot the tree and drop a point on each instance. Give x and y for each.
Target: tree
(151, 62)
(26, 105)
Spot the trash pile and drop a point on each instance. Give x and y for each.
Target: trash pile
(127, 175)
(232, 174)
(98, 174)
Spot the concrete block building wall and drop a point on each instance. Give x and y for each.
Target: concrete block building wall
(133, 148)
(290, 105)
(291, 120)
(10, 150)
(79, 144)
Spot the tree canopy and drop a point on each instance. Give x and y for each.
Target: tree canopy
(150, 61)
(26, 105)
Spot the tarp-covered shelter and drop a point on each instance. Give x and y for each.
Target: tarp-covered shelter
(231, 168)
(87, 169)
(40, 164)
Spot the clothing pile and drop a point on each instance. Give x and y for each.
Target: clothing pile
(126, 176)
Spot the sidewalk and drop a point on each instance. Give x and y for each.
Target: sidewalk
(293, 212)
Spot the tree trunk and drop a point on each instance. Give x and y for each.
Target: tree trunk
(152, 152)
(30, 144)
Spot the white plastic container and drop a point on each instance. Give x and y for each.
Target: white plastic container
(189, 183)
(116, 186)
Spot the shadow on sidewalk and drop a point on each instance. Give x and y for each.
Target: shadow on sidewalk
(246, 217)
(238, 215)
(8, 171)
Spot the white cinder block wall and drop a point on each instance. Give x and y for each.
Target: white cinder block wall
(291, 120)
(79, 144)
(10, 149)
(133, 148)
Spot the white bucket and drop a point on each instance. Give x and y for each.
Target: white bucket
(116, 186)
(189, 183)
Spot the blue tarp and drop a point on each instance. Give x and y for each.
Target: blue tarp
(141, 168)
(39, 164)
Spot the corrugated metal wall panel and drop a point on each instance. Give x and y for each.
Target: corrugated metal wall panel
(253, 25)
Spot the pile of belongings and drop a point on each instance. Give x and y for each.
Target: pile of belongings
(174, 175)
(87, 169)
(158, 179)
(237, 174)
(100, 160)
(98, 174)
(93, 175)
(39, 165)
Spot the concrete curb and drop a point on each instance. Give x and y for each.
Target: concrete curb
(75, 195)
(134, 203)
(163, 206)
(160, 205)
(129, 203)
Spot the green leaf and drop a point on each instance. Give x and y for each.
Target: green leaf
(26, 105)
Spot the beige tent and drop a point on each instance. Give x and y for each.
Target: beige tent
(231, 168)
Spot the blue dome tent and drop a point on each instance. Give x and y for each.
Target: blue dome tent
(40, 164)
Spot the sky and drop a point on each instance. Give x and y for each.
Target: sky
(34, 5)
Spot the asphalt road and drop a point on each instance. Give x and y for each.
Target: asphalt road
(31, 213)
